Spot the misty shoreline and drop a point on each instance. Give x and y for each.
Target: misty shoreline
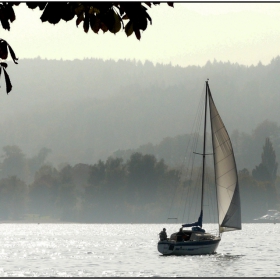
(98, 223)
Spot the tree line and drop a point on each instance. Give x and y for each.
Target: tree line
(108, 191)
(139, 189)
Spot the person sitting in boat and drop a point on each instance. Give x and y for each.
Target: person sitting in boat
(163, 235)
(180, 235)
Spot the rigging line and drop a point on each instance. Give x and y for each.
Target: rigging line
(186, 152)
(181, 182)
(195, 194)
(178, 185)
(182, 166)
(195, 138)
(189, 187)
(194, 133)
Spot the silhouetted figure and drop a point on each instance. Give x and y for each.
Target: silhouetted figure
(180, 235)
(163, 235)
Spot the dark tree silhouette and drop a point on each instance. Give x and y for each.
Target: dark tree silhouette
(267, 169)
(112, 16)
(266, 172)
(4, 47)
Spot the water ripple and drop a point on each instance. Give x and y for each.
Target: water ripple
(126, 250)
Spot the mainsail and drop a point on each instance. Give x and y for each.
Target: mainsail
(228, 197)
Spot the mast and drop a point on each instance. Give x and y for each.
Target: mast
(204, 145)
(210, 95)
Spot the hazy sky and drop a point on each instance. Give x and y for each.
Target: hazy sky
(188, 34)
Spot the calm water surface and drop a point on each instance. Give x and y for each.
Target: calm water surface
(130, 250)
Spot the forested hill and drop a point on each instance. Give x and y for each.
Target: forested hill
(84, 110)
(248, 147)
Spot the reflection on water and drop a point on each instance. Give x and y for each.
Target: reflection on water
(227, 257)
(100, 250)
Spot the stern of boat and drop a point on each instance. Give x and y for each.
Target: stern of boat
(166, 247)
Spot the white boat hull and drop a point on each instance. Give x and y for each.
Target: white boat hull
(188, 247)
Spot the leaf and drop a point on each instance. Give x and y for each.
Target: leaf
(11, 13)
(8, 82)
(42, 5)
(108, 19)
(52, 13)
(94, 23)
(68, 12)
(142, 23)
(117, 23)
(79, 10)
(125, 17)
(34, 5)
(12, 54)
(80, 18)
(121, 10)
(4, 64)
(93, 10)
(3, 18)
(137, 34)
(170, 4)
(128, 28)
(148, 17)
(45, 16)
(3, 49)
(103, 27)
(86, 23)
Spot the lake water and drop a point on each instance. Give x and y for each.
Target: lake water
(130, 250)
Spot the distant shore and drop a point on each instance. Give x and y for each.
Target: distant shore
(65, 222)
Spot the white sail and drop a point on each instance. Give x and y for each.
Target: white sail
(226, 174)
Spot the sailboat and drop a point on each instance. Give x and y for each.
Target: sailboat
(192, 239)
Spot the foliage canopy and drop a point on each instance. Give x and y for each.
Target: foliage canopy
(267, 169)
(113, 16)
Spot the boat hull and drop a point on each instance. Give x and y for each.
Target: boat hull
(188, 247)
